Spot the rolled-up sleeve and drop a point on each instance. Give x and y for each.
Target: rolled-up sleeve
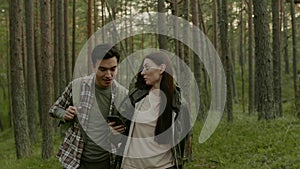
(57, 110)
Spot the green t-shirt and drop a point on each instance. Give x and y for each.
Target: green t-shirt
(96, 140)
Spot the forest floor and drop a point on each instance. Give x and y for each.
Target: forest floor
(244, 143)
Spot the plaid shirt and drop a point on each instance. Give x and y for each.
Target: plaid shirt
(70, 151)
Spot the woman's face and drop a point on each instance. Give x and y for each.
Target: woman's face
(152, 73)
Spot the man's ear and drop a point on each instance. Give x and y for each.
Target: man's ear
(162, 68)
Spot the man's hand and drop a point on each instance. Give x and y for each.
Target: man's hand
(116, 129)
(71, 112)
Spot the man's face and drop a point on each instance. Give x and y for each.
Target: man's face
(106, 71)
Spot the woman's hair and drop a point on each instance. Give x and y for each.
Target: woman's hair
(167, 86)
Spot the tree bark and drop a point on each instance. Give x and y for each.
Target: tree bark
(205, 91)
(197, 63)
(276, 58)
(162, 39)
(103, 18)
(61, 55)
(47, 82)
(56, 82)
(74, 36)
(21, 132)
(215, 25)
(1, 124)
(31, 87)
(223, 24)
(96, 21)
(263, 75)
(250, 59)
(241, 55)
(285, 41)
(295, 71)
(293, 1)
(8, 73)
(38, 62)
(66, 43)
(185, 77)
(89, 34)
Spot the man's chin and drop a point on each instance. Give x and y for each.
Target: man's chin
(108, 83)
(105, 84)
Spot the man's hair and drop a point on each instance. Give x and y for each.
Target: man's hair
(105, 51)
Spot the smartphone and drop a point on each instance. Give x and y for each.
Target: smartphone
(116, 119)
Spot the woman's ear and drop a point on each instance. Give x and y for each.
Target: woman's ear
(162, 68)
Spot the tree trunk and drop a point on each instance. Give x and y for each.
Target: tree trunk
(8, 73)
(56, 82)
(174, 10)
(215, 30)
(295, 71)
(285, 41)
(96, 21)
(131, 31)
(215, 43)
(197, 69)
(103, 18)
(31, 95)
(61, 55)
(112, 10)
(162, 39)
(293, 1)
(205, 92)
(38, 62)
(223, 23)
(89, 34)
(22, 140)
(276, 58)
(24, 59)
(185, 77)
(263, 75)
(250, 59)
(197, 63)
(241, 55)
(47, 83)
(1, 124)
(232, 54)
(66, 39)
(74, 36)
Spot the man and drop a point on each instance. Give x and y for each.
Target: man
(85, 105)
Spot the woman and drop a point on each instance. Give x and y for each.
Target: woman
(151, 139)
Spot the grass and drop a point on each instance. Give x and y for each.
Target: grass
(245, 143)
(8, 159)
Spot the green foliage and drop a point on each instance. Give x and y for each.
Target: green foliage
(248, 143)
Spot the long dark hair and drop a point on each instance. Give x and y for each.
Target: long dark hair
(164, 121)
